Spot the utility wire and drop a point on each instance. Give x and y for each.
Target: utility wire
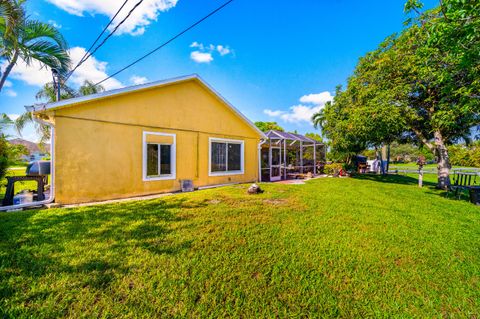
(103, 31)
(167, 42)
(87, 54)
(115, 30)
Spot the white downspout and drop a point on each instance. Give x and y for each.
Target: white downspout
(260, 159)
(52, 174)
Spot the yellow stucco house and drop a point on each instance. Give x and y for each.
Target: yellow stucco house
(145, 139)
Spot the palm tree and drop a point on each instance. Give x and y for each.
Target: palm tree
(89, 87)
(48, 94)
(319, 118)
(5, 122)
(9, 16)
(29, 40)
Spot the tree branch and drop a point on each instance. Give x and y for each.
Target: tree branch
(442, 7)
(424, 140)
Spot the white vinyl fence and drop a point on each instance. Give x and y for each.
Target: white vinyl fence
(429, 170)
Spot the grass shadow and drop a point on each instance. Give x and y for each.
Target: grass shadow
(409, 180)
(99, 240)
(394, 179)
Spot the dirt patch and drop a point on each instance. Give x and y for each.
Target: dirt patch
(275, 202)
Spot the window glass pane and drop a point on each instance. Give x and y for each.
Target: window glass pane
(234, 157)
(152, 160)
(165, 160)
(219, 157)
(275, 156)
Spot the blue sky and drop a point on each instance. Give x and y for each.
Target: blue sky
(274, 60)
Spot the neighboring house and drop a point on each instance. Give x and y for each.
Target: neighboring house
(35, 153)
(145, 139)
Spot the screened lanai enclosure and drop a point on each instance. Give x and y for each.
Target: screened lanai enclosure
(290, 156)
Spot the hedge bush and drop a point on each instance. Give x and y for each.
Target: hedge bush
(333, 169)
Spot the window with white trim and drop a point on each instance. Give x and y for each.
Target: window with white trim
(158, 156)
(226, 157)
(159, 160)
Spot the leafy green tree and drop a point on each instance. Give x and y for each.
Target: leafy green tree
(465, 155)
(88, 87)
(267, 126)
(317, 137)
(15, 153)
(408, 152)
(5, 122)
(29, 40)
(335, 121)
(420, 85)
(47, 94)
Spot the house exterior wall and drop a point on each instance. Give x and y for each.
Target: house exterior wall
(99, 145)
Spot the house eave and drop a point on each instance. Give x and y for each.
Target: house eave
(137, 88)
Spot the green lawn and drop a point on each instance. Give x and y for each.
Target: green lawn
(367, 247)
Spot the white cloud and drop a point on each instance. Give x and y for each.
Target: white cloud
(55, 24)
(10, 93)
(137, 80)
(32, 75)
(13, 117)
(93, 70)
(147, 12)
(302, 113)
(7, 89)
(201, 57)
(273, 113)
(223, 50)
(204, 53)
(317, 99)
(197, 45)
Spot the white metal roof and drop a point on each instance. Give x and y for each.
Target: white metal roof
(274, 134)
(103, 95)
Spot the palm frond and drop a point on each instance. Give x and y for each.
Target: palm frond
(48, 94)
(31, 40)
(5, 122)
(11, 14)
(47, 53)
(89, 87)
(36, 30)
(28, 118)
(22, 121)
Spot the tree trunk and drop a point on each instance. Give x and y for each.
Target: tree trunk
(388, 158)
(385, 157)
(443, 162)
(8, 70)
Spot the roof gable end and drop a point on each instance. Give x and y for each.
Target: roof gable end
(118, 92)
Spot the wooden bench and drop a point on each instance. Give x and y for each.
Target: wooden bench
(462, 182)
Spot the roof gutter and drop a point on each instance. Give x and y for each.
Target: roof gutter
(51, 198)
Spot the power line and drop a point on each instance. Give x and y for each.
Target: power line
(87, 54)
(116, 28)
(103, 31)
(167, 42)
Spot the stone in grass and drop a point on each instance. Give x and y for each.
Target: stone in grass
(254, 189)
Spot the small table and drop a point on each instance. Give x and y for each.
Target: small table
(10, 192)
